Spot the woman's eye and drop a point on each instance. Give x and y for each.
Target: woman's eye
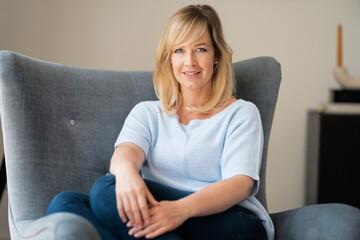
(178, 50)
(201, 50)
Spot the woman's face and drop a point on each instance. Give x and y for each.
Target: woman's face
(193, 64)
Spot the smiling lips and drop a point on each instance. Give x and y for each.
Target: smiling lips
(191, 73)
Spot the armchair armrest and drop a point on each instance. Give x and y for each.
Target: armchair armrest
(62, 226)
(322, 221)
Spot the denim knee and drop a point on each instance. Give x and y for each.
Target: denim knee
(67, 202)
(102, 197)
(101, 187)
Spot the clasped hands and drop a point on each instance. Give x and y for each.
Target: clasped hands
(145, 216)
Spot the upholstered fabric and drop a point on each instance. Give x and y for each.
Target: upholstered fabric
(318, 222)
(59, 126)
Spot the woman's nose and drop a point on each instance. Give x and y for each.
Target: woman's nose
(190, 59)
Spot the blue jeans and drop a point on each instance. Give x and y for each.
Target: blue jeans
(99, 207)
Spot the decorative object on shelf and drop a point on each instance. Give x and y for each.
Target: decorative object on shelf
(341, 74)
(343, 101)
(345, 95)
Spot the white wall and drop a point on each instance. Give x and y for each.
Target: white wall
(123, 35)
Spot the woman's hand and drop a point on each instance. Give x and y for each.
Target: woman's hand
(165, 216)
(168, 215)
(132, 194)
(133, 198)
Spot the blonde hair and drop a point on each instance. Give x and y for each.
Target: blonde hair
(186, 26)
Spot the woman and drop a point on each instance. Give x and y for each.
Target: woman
(198, 148)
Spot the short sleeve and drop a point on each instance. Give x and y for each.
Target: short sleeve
(136, 129)
(243, 145)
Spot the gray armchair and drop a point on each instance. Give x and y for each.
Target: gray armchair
(59, 126)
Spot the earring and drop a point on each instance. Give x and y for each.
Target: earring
(216, 62)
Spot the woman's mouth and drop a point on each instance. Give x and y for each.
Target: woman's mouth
(192, 73)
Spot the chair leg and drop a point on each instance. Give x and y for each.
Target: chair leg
(2, 177)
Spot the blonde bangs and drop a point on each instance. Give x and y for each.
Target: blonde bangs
(185, 32)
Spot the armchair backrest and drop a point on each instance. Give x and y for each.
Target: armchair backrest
(60, 122)
(258, 81)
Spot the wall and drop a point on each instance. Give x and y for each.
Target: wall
(123, 35)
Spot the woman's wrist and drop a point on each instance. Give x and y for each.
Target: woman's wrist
(127, 172)
(123, 167)
(186, 208)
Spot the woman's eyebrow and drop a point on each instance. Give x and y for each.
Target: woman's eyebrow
(200, 44)
(197, 45)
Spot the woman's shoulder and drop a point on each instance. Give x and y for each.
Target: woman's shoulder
(243, 106)
(243, 111)
(147, 108)
(149, 105)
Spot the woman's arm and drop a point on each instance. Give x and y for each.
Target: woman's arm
(132, 195)
(215, 198)
(126, 153)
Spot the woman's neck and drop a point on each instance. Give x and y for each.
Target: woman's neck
(186, 115)
(194, 99)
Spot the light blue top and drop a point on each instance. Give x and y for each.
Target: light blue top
(190, 157)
